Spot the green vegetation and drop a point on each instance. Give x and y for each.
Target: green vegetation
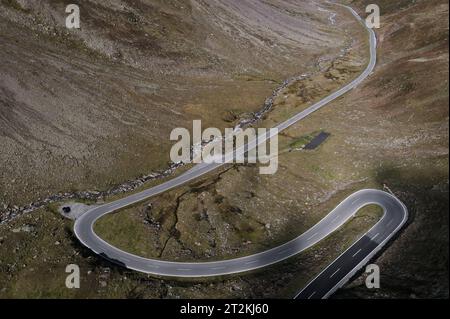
(395, 140)
(122, 230)
(14, 5)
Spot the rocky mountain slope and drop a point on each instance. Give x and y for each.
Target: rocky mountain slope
(91, 108)
(391, 132)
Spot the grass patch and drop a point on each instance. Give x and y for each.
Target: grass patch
(124, 231)
(304, 140)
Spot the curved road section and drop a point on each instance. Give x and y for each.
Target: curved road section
(334, 276)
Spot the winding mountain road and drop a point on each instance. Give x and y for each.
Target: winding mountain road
(334, 276)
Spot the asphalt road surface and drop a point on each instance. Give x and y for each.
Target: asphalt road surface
(334, 276)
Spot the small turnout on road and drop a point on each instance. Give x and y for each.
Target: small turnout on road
(73, 210)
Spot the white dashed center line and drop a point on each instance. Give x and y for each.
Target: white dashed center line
(335, 273)
(335, 219)
(312, 295)
(282, 252)
(354, 255)
(218, 268)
